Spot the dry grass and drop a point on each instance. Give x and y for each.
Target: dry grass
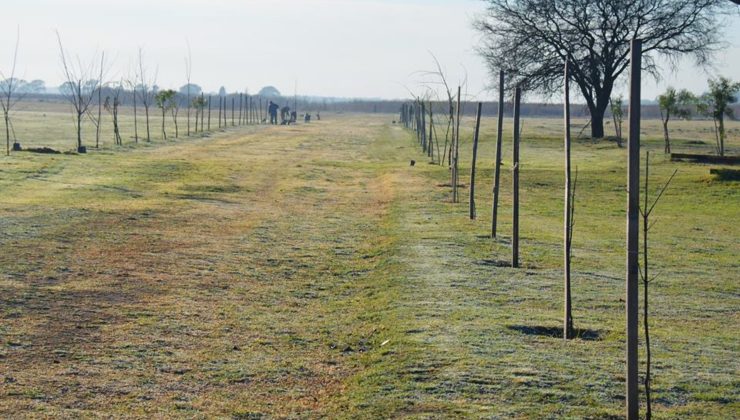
(258, 272)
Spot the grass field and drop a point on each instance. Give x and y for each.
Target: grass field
(309, 271)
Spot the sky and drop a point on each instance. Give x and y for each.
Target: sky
(336, 48)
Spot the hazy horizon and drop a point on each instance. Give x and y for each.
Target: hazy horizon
(330, 48)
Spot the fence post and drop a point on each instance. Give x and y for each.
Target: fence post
(633, 225)
(472, 166)
(497, 165)
(515, 182)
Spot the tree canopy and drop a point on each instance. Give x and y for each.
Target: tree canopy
(532, 39)
(269, 92)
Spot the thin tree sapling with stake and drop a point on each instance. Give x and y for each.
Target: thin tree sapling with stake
(646, 211)
(80, 88)
(10, 95)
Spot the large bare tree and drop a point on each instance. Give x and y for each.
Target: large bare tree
(80, 87)
(530, 39)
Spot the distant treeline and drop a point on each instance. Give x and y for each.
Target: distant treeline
(313, 105)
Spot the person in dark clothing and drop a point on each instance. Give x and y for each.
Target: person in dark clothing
(273, 110)
(284, 115)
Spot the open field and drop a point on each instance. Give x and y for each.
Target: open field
(309, 271)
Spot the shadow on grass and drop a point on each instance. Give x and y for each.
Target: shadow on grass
(556, 332)
(494, 263)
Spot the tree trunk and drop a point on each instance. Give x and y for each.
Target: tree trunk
(100, 112)
(146, 111)
(164, 117)
(597, 118)
(721, 135)
(136, 126)
(79, 130)
(7, 133)
(667, 148)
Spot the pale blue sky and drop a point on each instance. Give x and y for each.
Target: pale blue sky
(350, 48)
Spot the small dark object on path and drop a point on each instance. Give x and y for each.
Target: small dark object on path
(17, 147)
(413, 162)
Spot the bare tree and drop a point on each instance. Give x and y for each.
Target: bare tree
(145, 90)
(132, 83)
(9, 91)
(111, 106)
(96, 118)
(80, 88)
(535, 37)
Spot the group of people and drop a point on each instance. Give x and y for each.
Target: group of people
(286, 115)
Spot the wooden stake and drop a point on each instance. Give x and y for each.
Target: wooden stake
(633, 228)
(515, 181)
(241, 107)
(497, 165)
(472, 166)
(220, 105)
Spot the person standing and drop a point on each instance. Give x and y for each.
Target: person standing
(273, 110)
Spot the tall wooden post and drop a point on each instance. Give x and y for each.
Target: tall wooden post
(232, 110)
(567, 218)
(515, 182)
(633, 227)
(430, 152)
(423, 120)
(220, 105)
(209, 112)
(497, 164)
(241, 107)
(472, 166)
(202, 117)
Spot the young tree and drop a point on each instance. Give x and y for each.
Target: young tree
(617, 107)
(9, 90)
(188, 73)
(199, 103)
(535, 36)
(81, 88)
(111, 106)
(145, 91)
(645, 211)
(716, 104)
(163, 99)
(132, 83)
(96, 118)
(672, 103)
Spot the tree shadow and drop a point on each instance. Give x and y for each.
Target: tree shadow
(556, 332)
(494, 263)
